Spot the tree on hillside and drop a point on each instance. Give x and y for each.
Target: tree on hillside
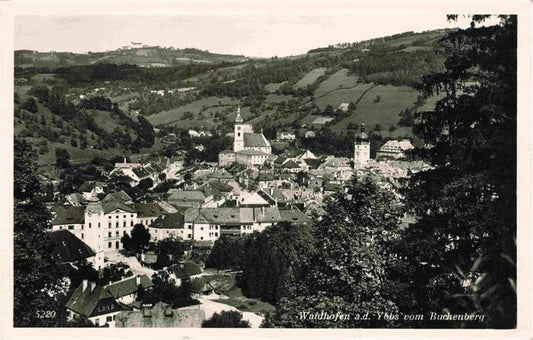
(348, 273)
(30, 105)
(466, 205)
(36, 277)
(62, 158)
(226, 319)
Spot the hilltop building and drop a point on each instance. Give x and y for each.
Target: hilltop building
(249, 148)
(361, 155)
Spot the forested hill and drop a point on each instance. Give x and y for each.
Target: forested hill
(150, 56)
(376, 81)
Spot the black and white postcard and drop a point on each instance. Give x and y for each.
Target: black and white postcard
(251, 169)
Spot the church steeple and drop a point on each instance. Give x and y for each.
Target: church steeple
(238, 119)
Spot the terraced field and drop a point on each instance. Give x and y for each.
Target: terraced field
(175, 115)
(339, 80)
(341, 95)
(393, 99)
(310, 77)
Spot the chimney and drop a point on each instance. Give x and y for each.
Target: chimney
(84, 285)
(138, 280)
(93, 286)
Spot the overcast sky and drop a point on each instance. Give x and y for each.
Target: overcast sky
(270, 29)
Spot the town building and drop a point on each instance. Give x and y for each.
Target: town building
(162, 315)
(249, 148)
(93, 302)
(69, 250)
(394, 149)
(361, 155)
(125, 290)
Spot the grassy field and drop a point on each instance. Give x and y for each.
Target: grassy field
(174, 116)
(275, 98)
(338, 96)
(273, 87)
(310, 77)
(338, 80)
(226, 285)
(385, 112)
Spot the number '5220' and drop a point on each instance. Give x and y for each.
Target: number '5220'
(45, 314)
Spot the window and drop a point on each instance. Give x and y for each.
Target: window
(110, 307)
(201, 238)
(70, 227)
(117, 233)
(82, 236)
(89, 224)
(216, 234)
(109, 244)
(109, 217)
(124, 216)
(97, 322)
(124, 223)
(108, 319)
(131, 216)
(132, 223)
(201, 228)
(109, 234)
(117, 224)
(98, 224)
(109, 224)
(116, 216)
(124, 232)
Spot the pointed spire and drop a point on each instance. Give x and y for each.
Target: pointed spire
(239, 119)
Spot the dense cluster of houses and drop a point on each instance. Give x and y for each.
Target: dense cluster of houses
(250, 189)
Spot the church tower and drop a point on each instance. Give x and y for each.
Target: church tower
(238, 139)
(361, 149)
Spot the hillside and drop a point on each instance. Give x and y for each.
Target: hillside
(152, 56)
(377, 78)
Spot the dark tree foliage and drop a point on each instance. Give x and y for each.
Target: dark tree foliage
(145, 184)
(36, 277)
(170, 251)
(460, 254)
(82, 271)
(62, 158)
(165, 289)
(30, 104)
(139, 239)
(273, 258)
(348, 272)
(227, 253)
(226, 319)
(327, 142)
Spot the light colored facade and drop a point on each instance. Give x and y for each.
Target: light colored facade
(226, 157)
(251, 158)
(208, 224)
(361, 155)
(246, 140)
(394, 149)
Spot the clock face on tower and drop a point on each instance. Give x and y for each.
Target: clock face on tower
(238, 127)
